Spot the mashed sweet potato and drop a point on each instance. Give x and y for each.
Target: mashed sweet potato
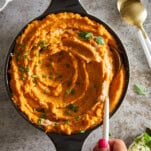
(61, 71)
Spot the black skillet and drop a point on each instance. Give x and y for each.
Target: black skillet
(64, 142)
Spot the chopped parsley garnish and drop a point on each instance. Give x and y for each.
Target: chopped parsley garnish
(51, 74)
(25, 55)
(43, 44)
(67, 65)
(66, 94)
(22, 45)
(17, 58)
(77, 83)
(73, 107)
(45, 92)
(70, 91)
(68, 112)
(66, 122)
(29, 59)
(82, 131)
(86, 35)
(48, 65)
(147, 139)
(110, 134)
(44, 76)
(34, 76)
(40, 121)
(69, 83)
(41, 118)
(22, 78)
(140, 89)
(100, 40)
(58, 77)
(77, 118)
(39, 62)
(56, 125)
(24, 69)
(34, 81)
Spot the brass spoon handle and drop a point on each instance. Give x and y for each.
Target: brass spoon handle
(146, 44)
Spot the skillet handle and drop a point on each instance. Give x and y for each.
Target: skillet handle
(65, 5)
(68, 143)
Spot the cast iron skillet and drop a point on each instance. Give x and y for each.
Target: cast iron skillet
(64, 142)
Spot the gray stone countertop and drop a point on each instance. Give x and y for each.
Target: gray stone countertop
(133, 116)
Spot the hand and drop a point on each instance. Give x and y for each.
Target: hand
(112, 145)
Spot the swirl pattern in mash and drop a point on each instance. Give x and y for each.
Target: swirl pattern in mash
(61, 71)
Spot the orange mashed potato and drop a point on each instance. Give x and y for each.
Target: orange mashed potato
(62, 70)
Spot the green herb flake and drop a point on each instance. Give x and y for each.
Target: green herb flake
(41, 118)
(110, 134)
(69, 83)
(25, 55)
(51, 74)
(147, 139)
(39, 109)
(77, 118)
(22, 78)
(100, 40)
(17, 58)
(45, 92)
(44, 76)
(78, 83)
(43, 44)
(67, 112)
(67, 65)
(66, 94)
(34, 81)
(22, 45)
(72, 91)
(73, 107)
(48, 65)
(56, 125)
(40, 121)
(85, 35)
(66, 122)
(58, 77)
(140, 89)
(24, 69)
(82, 131)
(29, 59)
(39, 61)
(34, 76)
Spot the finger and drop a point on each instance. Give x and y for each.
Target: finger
(99, 149)
(117, 144)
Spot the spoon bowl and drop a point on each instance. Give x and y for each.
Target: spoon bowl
(133, 12)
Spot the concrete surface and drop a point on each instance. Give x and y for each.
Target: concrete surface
(133, 116)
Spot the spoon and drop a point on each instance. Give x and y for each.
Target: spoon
(134, 13)
(118, 64)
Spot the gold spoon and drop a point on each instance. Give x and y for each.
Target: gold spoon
(134, 13)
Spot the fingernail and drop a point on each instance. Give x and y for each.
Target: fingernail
(102, 143)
